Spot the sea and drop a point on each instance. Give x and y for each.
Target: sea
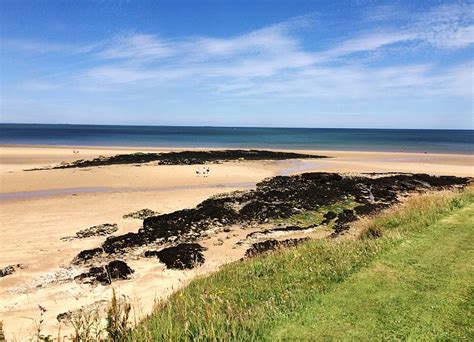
(407, 140)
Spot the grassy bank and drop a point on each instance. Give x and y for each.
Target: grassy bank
(415, 281)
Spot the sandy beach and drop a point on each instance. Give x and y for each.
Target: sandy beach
(38, 208)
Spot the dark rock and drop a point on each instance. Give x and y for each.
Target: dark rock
(187, 158)
(88, 254)
(343, 220)
(369, 208)
(94, 275)
(104, 275)
(141, 214)
(279, 198)
(270, 245)
(118, 269)
(99, 230)
(182, 256)
(10, 269)
(64, 317)
(328, 217)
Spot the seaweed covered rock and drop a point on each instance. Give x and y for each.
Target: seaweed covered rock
(114, 270)
(187, 158)
(279, 198)
(180, 257)
(343, 219)
(10, 269)
(141, 214)
(270, 245)
(328, 217)
(99, 230)
(185, 225)
(87, 255)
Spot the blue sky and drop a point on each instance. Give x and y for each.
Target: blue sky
(394, 64)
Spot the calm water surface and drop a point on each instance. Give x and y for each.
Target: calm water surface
(441, 141)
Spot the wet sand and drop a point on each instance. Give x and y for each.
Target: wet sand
(37, 208)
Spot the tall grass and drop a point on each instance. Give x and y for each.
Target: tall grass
(419, 212)
(244, 299)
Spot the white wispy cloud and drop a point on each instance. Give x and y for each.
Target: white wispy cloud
(275, 61)
(40, 46)
(446, 26)
(136, 46)
(383, 13)
(368, 42)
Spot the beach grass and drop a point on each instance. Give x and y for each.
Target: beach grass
(414, 281)
(307, 218)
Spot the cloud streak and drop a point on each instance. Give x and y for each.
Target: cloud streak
(276, 60)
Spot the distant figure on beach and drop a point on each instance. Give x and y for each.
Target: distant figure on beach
(198, 172)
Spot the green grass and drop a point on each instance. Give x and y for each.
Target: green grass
(415, 282)
(421, 289)
(307, 218)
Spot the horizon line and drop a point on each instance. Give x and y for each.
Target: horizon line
(211, 126)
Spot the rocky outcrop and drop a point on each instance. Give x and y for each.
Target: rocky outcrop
(10, 269)
(141, 214)
(114, 270)
(328, 217)
(343, 221)
(99, 230)
(187, 158)
(87, 255)
(278, 198)
(180, 257)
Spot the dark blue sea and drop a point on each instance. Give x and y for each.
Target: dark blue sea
(441, 141)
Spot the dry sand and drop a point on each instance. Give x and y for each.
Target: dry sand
(37, 208)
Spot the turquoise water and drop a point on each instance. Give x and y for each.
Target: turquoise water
(441, 141)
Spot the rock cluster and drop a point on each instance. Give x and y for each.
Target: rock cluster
(343, 221)
(276, 198)
(141, 214)
(87, 255)
(7, 270)
(270, 245)
(99, 230)
(187, 158)
(180, 257)
(104, 275)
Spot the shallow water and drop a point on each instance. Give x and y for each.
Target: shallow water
(22, 195)
(301, 166)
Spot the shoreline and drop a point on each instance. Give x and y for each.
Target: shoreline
(214, 148)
